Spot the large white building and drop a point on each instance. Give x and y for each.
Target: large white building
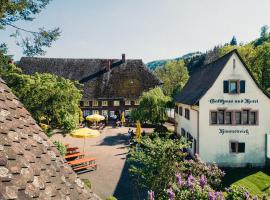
(225, 114)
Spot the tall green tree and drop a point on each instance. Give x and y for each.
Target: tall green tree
(50, 99)
(32, 42)
(174, 76)
(152, 107)
(233, 41)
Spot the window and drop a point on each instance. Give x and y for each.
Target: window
(104, 103)
(187, 113)
(221, 117)
(213, 117)
(237, 147)
(127, 112)
(183, 132)
(253, 117)
(180, 110)
(245, 116)
(238, 117)
(85, 103)
(136, 102)
(228, 117)
(116, 103)
(111, 113)
(176, 109)
(104, 112)
(95, 112)
(128, 102)
(233, 87)
(95, 103)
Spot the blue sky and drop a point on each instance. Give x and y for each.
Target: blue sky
(147, 29)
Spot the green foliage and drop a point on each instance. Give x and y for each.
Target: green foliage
(61, 147)
(111, 198)
(32, 42)
(233, 41)
(174, 76)
(50, 99)
(152, 107)
(87, 183)
(155, 162)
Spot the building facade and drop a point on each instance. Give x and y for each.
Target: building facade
(224, 113)
(109, 86)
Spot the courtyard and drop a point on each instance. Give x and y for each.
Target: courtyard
(111, 177)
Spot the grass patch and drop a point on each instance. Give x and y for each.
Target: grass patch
(256, 181)
(87, 183)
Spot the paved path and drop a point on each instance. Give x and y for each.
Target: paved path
(111, 177)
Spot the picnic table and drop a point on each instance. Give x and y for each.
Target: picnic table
(83, 163)
(72, 150)
(74, 155)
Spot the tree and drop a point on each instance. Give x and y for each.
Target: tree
(264, 31)
(155, 162)
(50, 99)
(233, 42)
(32, 42)
(174, 76)
(152, 107)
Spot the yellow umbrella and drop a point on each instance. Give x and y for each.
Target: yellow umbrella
(95, 118)
(138, 130)
(123, 119)
(85, 133)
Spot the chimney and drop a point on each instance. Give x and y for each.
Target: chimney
(123, 58)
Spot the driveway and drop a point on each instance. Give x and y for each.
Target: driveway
(111, 177)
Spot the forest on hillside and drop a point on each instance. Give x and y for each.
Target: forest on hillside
(255, 53)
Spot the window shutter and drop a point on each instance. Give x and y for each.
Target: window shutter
(225, 86)
(242, 86)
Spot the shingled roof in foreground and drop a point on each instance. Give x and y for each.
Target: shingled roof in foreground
(30, 165)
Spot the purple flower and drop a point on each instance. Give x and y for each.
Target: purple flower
(190, 181)
(171, 194)
(212, 196)
(151, 195)
(219, 195)
(203, 181)
(255, 198)
(179, 179)
(246, 195)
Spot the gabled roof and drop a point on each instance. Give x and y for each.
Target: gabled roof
(124, 79)
(30, 165)
(204, 77)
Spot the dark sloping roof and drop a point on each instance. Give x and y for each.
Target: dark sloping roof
(127, 80)
(204, 77)
(30, 165)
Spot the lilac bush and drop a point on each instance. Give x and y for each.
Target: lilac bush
(192, 188)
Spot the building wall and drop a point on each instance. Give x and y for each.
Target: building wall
(215, 147)
(188, 125)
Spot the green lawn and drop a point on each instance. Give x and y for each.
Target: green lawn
(257, 181)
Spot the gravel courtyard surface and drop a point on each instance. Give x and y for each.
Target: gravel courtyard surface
(111, 177)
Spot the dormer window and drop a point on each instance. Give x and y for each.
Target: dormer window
(234, 86)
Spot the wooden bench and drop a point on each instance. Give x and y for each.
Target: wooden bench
(82, 161)
(74, 155)
(71, 150)
(92, 166)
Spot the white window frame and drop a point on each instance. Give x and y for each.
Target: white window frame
(116, 104)
(104, 113)
(104, 103)
(136, 102)
(112, 113)
(94, 103)
(127, 102)
(86, 103)
(95, 112)
(127, 111)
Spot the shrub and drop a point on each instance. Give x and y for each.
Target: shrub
(111, 198)
(61, 147)
(87, 183)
